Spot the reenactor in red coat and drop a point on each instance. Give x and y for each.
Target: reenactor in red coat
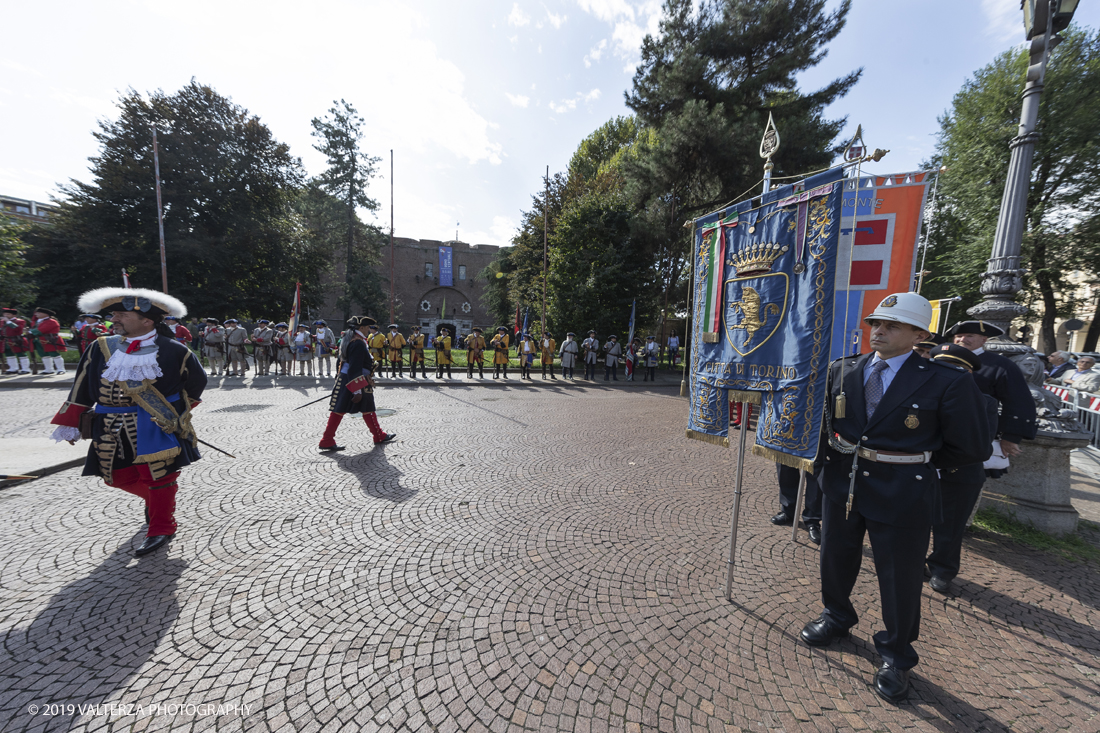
(92, 330)
(16, 345)
(46, 333)
(180, 331)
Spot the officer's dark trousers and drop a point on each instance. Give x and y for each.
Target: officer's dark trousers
(610, 371)
(947, 535)
(788, 493)
(899, 564)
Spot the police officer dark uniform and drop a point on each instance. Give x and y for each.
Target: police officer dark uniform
(354, 390)
(788, 478)
(895, 418)
(959, 487)
(1002, 380)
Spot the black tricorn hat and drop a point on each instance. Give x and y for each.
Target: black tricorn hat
(146, 302)
(476, 329)
(502, 328)
(394, 325)
(959, 355)
(361, 321)
(12, 311)
(979, 327)
(40, 309)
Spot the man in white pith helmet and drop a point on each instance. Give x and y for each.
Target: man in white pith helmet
(895, 419)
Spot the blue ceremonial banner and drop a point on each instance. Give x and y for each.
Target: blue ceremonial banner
(765, 273)
(445, 261)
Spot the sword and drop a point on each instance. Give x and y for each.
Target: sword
(314, 402)
(13, 477)
(219, 450)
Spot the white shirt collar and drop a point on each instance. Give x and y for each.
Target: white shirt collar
(893, 363)
(143, 340)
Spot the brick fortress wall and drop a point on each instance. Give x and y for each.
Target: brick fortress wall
(419, 297)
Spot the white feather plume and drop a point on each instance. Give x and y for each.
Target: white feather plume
(93, 301)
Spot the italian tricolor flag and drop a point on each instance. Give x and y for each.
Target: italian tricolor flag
(714, 253)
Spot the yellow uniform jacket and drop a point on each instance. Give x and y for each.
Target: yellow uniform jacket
(475, 348)
(443, 350)
(376, 342)
(416, 348)
(500, 346)
(395, 343)
(547, 346)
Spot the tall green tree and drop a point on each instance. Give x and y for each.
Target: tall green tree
(231, 237)
(703, 91)
(1062, 232)
(496, 298)
(16, 276)
(348, 174)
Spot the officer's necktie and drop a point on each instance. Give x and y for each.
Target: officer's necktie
(872, 392)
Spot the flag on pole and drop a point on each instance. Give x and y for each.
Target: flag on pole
(443, 309)
(125, 278)
(296, 310)
(630, 337)
(515, 328)
(712, 255)
(526, 315)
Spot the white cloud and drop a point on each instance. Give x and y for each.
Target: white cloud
(502, 229)
(1004, 18)
(556, 20)
(517, 100)
(595, 53)
(568, 105)
(607, 10)
(517, 17)
(629, 25)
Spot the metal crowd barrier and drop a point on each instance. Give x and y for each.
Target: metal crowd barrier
(1087, 406)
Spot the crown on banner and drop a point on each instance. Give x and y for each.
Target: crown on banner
(756, 257)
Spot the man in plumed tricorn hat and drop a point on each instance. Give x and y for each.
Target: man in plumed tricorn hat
(133, 396)
(354, 389)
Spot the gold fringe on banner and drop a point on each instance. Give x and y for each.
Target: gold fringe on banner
(751, 397)
(716, 439)
(763, 451)
(710, 337)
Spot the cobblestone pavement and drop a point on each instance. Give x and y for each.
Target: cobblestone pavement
(518, 560)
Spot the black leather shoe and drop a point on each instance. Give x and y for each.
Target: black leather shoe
(821, 632)
(939, 584)
(389, 437)
(891, 683)
(782, 519)
(152, 544)
(331, 448)
(815, 532)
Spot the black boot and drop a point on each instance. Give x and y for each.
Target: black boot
(470, 370)
(544, 372)
(423, 370)
(496, 371)
(480, 370)
(552, 373)
(505, 368)
(448, 371)
(606, 373)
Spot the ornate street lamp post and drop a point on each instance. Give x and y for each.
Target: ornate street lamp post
(1003, 277)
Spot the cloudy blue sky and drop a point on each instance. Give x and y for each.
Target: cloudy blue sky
(475, 98)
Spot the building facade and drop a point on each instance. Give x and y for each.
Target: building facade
(24, 210)
(435, 283)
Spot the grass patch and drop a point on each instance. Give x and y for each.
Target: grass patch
(1072, 547)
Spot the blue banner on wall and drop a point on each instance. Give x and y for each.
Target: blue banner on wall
(770, 275)
(445, 267)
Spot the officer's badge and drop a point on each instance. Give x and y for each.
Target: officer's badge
(912, 422)
(890, 302)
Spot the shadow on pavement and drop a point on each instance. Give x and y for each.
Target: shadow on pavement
(94, 635)
(377, 476)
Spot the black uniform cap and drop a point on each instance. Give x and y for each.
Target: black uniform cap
(959, 355)
(979, 327)
(931, 342)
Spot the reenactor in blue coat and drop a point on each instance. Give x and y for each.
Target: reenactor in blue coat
(354, 388)
(893, 419)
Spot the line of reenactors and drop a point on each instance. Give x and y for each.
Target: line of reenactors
(275, 350)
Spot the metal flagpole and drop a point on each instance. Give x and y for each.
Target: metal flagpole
(769, 144)
(393, 318)
(928, 231)
(160, 216)
(545, 229)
